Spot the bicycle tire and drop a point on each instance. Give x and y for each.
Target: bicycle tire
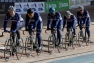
(66, 40)
(18, 48)
(7, 50)
(51, 44)
(28, 46)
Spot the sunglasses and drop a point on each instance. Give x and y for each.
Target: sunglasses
(30, 14)
(80, 10)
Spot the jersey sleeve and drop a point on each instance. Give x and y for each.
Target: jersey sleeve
(48, 20)
(37, 19)
(26, 21)
(5, 21)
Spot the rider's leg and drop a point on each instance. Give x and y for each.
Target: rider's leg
(21, 25)
(38, 35)
(74, 32)
(88, 32)
(59, 34)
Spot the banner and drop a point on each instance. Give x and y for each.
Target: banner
(59, 5)
(88, 2)
(76, 3)
(36, 6)
(4, 7)
(72, 4)
(83, 2)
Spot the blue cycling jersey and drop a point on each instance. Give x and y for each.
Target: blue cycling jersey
(71, 22)
(55, 20)
(15, 20)
(83, 18)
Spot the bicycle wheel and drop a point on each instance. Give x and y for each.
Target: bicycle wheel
(60, 47)
(8, 49)
(19, 49)
(66, 41)
(80, 38)
(51, 44)
(72, 40)
(29, 46)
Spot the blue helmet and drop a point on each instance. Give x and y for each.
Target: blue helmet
(52, 10)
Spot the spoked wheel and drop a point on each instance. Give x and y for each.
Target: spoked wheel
(8, 50)
(19, 49)
(66, 41)
(72, 40)
(80, 39)
(51, 45)
(28, 46)
(60, 47)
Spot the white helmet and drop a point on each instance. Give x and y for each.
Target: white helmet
(68, 13)
(81, 7)
(11, 8)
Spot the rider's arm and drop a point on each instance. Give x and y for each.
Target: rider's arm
(86, 16)
(17, 22)
(27, 21)
(64, 23)
(48, 21)
(58, 17)
(78, 19)
(37, 19)
(5, 21)
(74, 21)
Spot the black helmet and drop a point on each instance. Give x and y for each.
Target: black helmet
(30, 11)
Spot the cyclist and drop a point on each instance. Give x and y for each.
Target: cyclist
(17, 22)
(83, 18)
(34, 20)
(57, 22)
(70, 22)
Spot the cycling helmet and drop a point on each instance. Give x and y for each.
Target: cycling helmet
(68, 13)
(81, 8)
(30, 11)
(11, 8)
(52, 10)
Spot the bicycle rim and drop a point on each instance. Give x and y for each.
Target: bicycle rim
(50, 45)
(19, 49)
(28, 47)
(8, 50)
(66, 42)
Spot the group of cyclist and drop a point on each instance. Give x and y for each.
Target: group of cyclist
(34, 21)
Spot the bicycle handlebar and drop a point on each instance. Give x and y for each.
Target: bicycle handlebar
(50, 30)
(4, 32)
(27, 31)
